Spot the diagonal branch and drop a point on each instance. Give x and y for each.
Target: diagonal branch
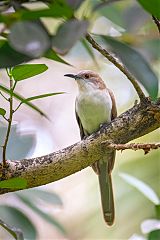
(136, 122)
(120, 66)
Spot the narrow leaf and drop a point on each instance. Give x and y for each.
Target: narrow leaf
(24, 71)
(45, 196)
(51, 54)
(153, 7)
(41, 96)
(21, 99)
(2, 111)
(42, 214)
(15, 183)
(16, 218)
(146, 190)
(16, 233)
(136, 64)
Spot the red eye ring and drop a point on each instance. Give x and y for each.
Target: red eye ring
(86, 75)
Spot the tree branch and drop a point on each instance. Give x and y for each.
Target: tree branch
(134, 146)
(136, 122)
(113, 60)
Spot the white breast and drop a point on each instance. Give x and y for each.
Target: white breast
(94, 109)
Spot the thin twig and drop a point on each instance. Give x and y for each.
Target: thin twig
(18, 107)
(157, 22)
(5, 118)
(106, 54)
(9, 120)
(134, 146)
(3, 96)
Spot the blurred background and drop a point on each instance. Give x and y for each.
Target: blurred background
(77, 212)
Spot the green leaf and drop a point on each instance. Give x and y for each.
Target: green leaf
(146, 190)
(29, 38)
(51, 54)
(136, 64)
(2, 111)
(154, 235)
(57, 9)
(24, 71)
(153, 7)
(41, 96)
(15, 183)
(68, 34)
(42, 214)
(45, 196)
(16, 233)
(9, 57)
(16, 218)
(21, 99)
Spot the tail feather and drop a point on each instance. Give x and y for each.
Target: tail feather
(107, 198)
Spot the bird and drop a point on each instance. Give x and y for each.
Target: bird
(94, 106)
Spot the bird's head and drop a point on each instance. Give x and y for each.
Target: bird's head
(87, 80)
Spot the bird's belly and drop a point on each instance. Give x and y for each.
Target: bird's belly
(94, 111)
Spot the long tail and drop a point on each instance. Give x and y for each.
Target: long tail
(105, 181)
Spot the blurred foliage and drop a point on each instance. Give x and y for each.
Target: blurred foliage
(23, 143)
(133, 37)
(136, 64)
(14, 220)
(18, 219)
(16, 233)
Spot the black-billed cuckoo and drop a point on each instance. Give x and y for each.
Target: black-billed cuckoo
(95, 105)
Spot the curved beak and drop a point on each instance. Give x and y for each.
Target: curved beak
(70, 75)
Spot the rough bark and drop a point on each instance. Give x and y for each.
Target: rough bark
(137, 121)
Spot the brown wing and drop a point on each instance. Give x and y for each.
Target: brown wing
(113, 115)
(82, 134)
(114, 108)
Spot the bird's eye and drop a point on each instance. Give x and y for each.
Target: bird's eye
(86, 75)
